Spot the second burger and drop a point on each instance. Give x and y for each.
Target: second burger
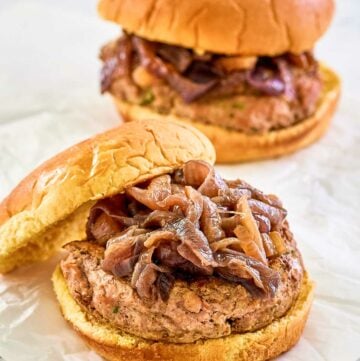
(242, 72)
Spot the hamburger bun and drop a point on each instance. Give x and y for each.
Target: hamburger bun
(284, 27)
(49, 208)
(233, 146)
(114, 345)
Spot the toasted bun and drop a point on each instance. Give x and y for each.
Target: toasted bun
(233, 146)
(115, 345)
(50, 206)
(248, 27)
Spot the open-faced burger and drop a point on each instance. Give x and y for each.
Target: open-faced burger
(165, 259)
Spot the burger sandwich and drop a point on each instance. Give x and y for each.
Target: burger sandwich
(165, 259)
(243, 72)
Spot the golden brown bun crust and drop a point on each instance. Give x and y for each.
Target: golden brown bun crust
(114, 345)
(233, 147)
(50, 206)
(249, 27)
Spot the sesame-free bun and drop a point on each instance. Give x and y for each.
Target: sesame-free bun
(50, 206)
(114, 345)
(247, 27)
(233, 146)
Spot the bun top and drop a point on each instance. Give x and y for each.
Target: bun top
(246, 27)
(50, 206)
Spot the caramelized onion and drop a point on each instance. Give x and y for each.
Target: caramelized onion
(123, 251)
(188, 225)
(248, 243)
(211, 221)
(274, 85)
(269, 247)
(188, 89)
(254, 240)
(273, 214)
(158, 189)
(230, 242)
(116, 65)
(194, 76)
(236, 266)
(278, 242)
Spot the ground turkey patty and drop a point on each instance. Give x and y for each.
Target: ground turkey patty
(201, 309)
(186, 256)
(248, 100)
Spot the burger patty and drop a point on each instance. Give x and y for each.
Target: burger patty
(245, 113)
(200, 309)
(262, 94)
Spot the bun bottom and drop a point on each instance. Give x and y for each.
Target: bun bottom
(115, 345)
(232, 146)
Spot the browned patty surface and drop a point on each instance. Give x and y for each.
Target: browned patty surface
(204, 308)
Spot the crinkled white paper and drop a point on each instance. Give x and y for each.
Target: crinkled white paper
(49, 99)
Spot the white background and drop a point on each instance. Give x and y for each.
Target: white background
(49, 99)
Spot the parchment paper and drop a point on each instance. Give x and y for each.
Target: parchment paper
(49, 99)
